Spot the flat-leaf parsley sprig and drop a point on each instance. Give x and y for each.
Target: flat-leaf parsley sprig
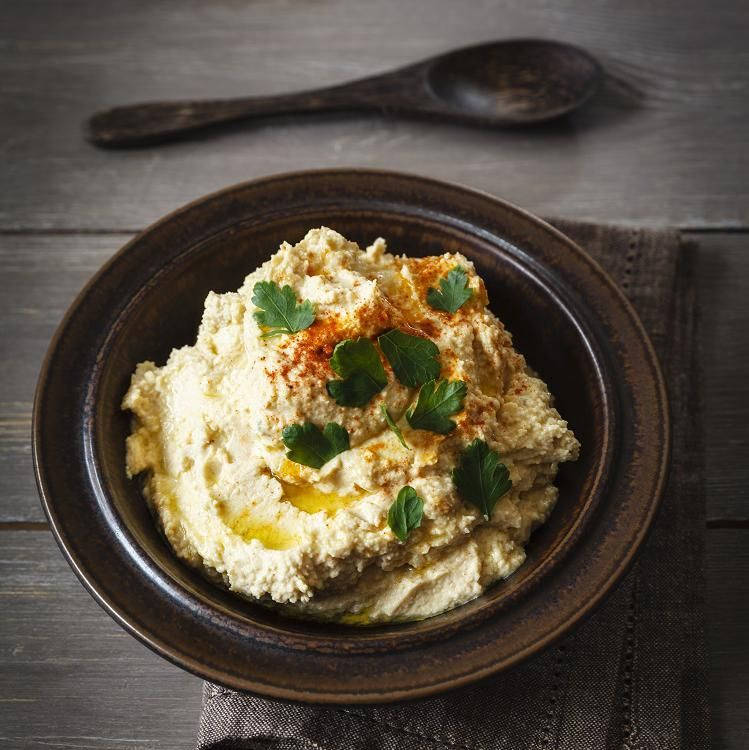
(310, 446)
(279, 310)
(480, 478)
(415, 360)
(453, 293)
(361, 371)
(437, 401)
(405, 513)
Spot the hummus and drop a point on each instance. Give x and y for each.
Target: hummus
(207, 434)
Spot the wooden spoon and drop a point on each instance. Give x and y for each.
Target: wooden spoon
(506, 83)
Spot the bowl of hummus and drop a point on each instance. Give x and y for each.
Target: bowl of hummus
(350, 436)
(353, 436)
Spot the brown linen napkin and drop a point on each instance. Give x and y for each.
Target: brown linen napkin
(633, 675)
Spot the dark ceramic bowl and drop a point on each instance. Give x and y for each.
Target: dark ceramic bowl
(568, 318)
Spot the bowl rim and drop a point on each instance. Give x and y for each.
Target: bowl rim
(195, 665)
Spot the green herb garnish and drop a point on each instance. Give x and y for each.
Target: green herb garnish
(436, 402)
(361, 370)
(480, 478)
(394, 427)
(414, 360)
(453, 292)
(311, 446)
(405, 513)
(279, 310)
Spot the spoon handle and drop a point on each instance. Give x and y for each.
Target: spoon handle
(153, 122)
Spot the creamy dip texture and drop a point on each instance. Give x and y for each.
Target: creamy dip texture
(207, 432)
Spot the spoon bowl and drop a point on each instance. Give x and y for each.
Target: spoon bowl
(517, 81)
(503, 83)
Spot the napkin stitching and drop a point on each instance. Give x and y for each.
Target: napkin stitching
(630, 641)
(633, 255)
(554, 701)
(412, 732)
(621, 723)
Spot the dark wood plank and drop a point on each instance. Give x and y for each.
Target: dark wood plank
(39, 277)
(727, 618)
(69, 675)
(669, 145)
(723, 274)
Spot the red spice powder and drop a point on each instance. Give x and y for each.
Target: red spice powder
(308, 352)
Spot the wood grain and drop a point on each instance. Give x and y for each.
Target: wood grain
(69, 675)
(40, 277)
(666, 143)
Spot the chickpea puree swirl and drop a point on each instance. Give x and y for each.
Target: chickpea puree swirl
(207, 436)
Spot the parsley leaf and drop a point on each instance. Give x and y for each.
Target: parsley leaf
(359, 364)
(394, 427)
(279, 311)
(480, 478)
(405, 513)
(453, 292)
(311, 446)
(414, 360)
(436, 402)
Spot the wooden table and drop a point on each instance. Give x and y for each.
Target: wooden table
(667, 143)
